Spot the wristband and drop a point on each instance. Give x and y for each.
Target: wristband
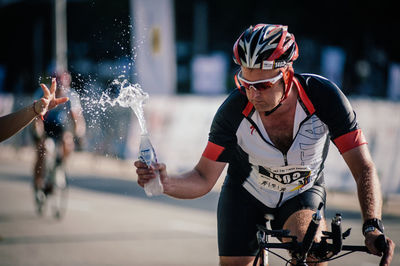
(34, 110)
(372, 224)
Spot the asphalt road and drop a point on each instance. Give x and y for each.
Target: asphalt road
(110, 221)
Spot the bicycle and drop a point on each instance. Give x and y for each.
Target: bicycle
(321, 251)
(55, 186)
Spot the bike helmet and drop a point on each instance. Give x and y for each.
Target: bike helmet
(267, 46)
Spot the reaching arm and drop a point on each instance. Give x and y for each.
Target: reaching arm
(14, 122)
(192, 184)
(11, 124)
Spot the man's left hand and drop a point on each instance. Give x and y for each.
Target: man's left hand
(387, 254)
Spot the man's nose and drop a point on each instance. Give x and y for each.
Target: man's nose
(254, 91)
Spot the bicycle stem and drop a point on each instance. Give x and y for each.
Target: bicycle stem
(336, 234)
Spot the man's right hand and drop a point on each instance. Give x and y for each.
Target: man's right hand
(146, 173)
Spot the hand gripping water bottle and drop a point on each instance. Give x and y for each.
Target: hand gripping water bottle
(147, 155)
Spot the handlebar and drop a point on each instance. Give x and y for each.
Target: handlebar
(315, 248)
(355, 248)
(381, 243)
(323, 251)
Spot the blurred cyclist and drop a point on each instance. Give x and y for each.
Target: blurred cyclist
(274, 132)
(61, 124)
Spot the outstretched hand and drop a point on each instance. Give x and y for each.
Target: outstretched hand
(49, 100)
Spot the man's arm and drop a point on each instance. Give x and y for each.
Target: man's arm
(364, 172)
(368, 186)
(192, 184)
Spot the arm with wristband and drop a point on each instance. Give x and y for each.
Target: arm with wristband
(14, 122)
(369, 194)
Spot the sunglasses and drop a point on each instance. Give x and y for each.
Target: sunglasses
(259, 85)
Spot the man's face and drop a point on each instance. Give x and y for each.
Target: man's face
(263, 100)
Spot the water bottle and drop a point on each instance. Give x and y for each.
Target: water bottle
(147, 155)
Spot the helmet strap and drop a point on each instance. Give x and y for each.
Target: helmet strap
(267, 113)
(288, 75)
(288, 80)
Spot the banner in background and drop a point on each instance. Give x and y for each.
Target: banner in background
(179, 141)
(209, 74)
(154, 45)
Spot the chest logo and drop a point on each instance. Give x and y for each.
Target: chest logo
(252, 128)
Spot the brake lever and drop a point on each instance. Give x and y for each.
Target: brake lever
(336, 226)
(346, 233)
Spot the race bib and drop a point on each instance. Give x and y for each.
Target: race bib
(284, 178)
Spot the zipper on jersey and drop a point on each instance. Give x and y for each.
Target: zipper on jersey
(286, 164)
(285, 158)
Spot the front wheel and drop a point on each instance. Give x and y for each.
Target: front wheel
(40, 201)
(59, 196)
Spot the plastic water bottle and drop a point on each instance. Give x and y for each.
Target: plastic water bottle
(147, 155)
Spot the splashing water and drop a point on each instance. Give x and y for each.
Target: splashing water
(130, 96)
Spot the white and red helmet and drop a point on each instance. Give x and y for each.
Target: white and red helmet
(265, 46)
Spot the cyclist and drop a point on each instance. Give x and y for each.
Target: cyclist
(274, 132)
(12, 123)
(56, 125)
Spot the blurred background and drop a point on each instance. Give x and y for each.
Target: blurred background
(101, 36)
(180, 52)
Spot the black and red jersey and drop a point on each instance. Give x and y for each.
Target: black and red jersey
(238, 137)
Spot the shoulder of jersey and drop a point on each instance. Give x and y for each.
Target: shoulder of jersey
(313, 83)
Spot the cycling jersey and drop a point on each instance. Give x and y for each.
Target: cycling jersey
(238, 137)
(56, 121)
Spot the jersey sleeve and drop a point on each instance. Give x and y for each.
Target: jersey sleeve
(335, 110)
(222, 140)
